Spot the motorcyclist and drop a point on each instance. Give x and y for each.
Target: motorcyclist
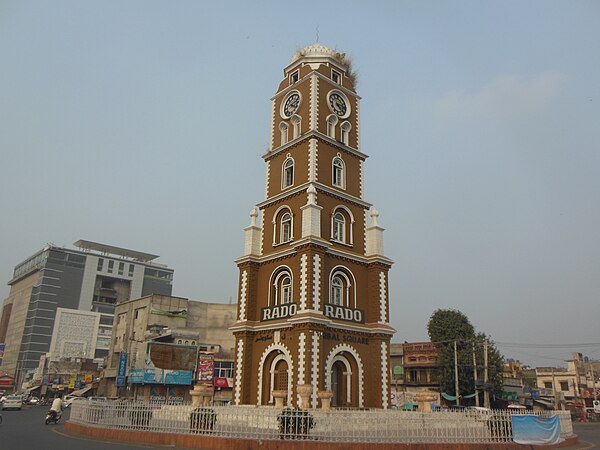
(56, 407)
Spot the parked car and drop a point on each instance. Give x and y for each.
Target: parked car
(32, 401)
(13, 402)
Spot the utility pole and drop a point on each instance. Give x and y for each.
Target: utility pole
(486, 392)
(593, 380)
(554, 391)
(456, 374)
(475, 376)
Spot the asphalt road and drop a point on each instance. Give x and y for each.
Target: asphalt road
(25, 430)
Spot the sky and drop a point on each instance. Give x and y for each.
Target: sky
(142, 124)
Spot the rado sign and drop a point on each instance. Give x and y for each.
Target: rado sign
(342, 313)
(278, 312)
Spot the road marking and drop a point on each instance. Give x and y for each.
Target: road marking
(133, 444)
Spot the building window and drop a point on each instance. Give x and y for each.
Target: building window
(286, 228)
(548, 384)
(296, 126)
(339, 225)
(332, 120)
(336, 76)
(337, 288)
(294, 77)
(341, 289)
(345, 128)
(100, 264)
(564, 386)
(283, 226)
(111, 265)
(288, 173)
(342, 226)
(121, 268)
(282, 288)
(283, 128)
(338, 174)
(131, 269)
(138, 313)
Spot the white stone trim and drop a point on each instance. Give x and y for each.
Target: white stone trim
(384, 376)
(243, 287)
(267, 177)
(365, 234)
(287, 357)
(360, 179)
(273, 119)
(238, 371)
(382, 299)
(301, 360)
(315, 367)
(357, 116)
(316, 282)
(303, 280)
(314, 102)
(329, 365)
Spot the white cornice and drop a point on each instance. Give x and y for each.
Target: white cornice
(322, 187)
(310, 134)
(363, 328)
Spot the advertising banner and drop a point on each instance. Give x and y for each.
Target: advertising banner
(171, 356)
(160, 376)
(2, 347)
(88, 378)
(223, 382)
(122, 370)
(206, 367)
(72, 381)
(535, 430)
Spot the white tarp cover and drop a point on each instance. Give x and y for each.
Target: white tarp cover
(535, 430)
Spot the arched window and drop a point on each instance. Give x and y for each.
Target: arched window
(283, 128)
(283, 225)
(345, 128)
(332, 120)
(338, 172)
(341, 288)
(296, 126)
(281, 287)
(337, 288)
(339, 225)
(342, 225)
(287, 176)
(286, 227)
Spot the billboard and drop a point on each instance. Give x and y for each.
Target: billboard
(160, 376)
(206, 367)
(171, 356)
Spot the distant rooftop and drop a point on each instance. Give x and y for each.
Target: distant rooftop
(110, 249)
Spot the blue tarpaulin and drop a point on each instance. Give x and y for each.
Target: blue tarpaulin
(531, 430)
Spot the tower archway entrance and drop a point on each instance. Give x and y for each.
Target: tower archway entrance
(276, 377)
(343, 381)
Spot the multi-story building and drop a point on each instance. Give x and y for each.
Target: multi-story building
(93, 277)
(183, 327)
(313, 287)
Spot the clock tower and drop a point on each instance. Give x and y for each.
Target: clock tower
(313, 286)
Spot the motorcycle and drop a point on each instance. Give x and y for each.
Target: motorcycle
(52, 417)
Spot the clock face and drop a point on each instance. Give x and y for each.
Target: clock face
(338, 104)
(291, 105)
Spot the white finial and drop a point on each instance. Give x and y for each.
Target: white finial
(374, 216)
(253, 216)
(312, 195)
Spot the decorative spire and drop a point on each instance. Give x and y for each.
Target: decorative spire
(253, 216)
(312, 195)
(374, 217)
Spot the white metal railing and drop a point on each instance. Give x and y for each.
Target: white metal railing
(252, 422)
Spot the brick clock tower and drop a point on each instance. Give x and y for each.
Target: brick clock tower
(313, 287)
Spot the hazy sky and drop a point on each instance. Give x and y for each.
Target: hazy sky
(142, 124)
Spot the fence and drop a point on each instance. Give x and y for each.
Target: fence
(250, 422)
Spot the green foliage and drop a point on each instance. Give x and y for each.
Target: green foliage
(447, 326)
(203, 419)
(295, 423)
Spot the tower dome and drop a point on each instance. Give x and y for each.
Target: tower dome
(320, 52)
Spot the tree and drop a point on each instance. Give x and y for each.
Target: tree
(447, 326)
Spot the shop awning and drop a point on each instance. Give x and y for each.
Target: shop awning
(31, 389)
(81, 392)
(546, 403)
